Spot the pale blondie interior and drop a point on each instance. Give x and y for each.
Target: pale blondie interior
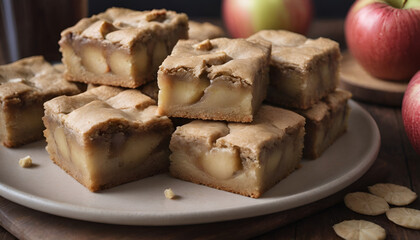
(214, 79)
(21, 124)
(121, 47)
(302, 70)
(107, 136)
(247, 159)
(24, 86)
(326, 121)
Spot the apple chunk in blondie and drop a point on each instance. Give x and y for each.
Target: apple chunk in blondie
(302, 70)
(121, 47)
(24, 87)
(325, 122)
(107, 136)
(218, 79)
(244, 158)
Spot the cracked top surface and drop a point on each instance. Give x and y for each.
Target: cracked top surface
(125, 26)
(238, 58)
(202, 31)
(294, 49)
(103, 106)
(33, 77)
(270, 125)
(330, 103)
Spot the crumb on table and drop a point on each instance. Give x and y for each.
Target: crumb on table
(25, 162)
(169, 194)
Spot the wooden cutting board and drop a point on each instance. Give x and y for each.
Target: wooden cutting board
(30, 224)
(368, 88)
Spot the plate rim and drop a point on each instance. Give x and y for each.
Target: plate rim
(78, 212)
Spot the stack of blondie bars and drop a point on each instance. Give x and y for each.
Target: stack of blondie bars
(143, 71)
(304, 75)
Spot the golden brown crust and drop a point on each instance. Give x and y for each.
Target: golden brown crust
(295, 50)
(225, 57)
(255, 143)
(124, 26)
(270, 123)
(302, 70)
(97, 107)
(204, 115)
(326, 121)
(32, 78)
(24, 86)
(107, 130)
(331, 102)
(121, 47)
(211, 68)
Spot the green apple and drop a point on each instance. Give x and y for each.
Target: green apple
(246, 17)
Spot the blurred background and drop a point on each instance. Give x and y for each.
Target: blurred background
(196, 9)
(32, 27)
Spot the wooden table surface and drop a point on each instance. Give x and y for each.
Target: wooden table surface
(403, 166)
(396, 163)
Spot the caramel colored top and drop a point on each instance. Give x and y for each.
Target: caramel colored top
(238, 58)
(202, 31)
(330, 103)
(33, 78)
(270, 126)
(295, 50)
(102, 106)
(125, 27)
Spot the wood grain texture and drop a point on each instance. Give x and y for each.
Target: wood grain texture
(5, 235)
(397, 162)
(397, 153)
(26, 223)
(367, 88)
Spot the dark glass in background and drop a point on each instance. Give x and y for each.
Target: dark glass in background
(33, 27)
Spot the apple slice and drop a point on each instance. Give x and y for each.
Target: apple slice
(221, 163)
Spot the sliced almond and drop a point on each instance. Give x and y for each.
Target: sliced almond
(366, 203)
(393, 194)
(359, 230)
(406, 217)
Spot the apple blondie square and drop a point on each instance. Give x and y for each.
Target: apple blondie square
(217, 79)
(121, 47)
(326, 121)
(107, 136)
(302, 70)
(243, 158)
(24, 87)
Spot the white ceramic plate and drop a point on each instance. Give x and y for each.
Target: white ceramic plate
(47, 188)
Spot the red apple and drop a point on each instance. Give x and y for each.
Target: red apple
(384, 37)
(411, 112)
(246, 17)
